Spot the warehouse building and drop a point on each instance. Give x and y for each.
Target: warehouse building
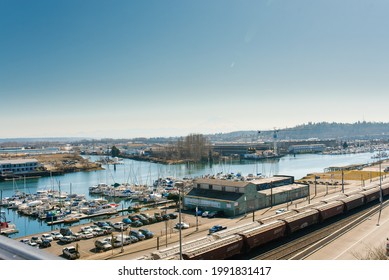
(239, 197)
(304, 149)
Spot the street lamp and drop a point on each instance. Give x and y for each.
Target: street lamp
(179, 185)
(379, 214)
(121, 229)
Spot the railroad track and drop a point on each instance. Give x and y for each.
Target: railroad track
(301, 247)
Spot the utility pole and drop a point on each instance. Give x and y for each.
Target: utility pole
(381, 200)
(179, 185)
(121, 229)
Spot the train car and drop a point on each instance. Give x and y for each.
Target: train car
(330, 210)
(385, 190)
(263, 234)
(301, 220)
(218, 250)
(309, 206)
(353, 201)
(334, 198)
(371, 194)
(234, 230)
(174, 250)
(276, 217)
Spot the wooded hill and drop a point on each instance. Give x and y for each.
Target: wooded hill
(322, 130)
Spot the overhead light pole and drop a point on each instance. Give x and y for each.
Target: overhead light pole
(381, 199)
(179, 186)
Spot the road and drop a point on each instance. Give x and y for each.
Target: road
(359, 242)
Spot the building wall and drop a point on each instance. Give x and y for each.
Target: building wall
(18, 166)
(249, 201)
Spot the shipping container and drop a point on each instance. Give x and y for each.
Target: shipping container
(301, 220)
(330, 210)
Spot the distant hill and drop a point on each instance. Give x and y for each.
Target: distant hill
(322, 130)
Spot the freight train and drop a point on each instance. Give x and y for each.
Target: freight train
(228, 243)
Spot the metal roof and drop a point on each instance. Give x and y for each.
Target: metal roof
(212, 194)
(18, 161)
(220, 182)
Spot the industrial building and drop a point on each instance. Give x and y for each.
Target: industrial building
(236, 197)
(311, 148)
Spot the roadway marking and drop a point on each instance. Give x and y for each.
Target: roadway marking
(355, 243)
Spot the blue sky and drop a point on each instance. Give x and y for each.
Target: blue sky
(170, 68)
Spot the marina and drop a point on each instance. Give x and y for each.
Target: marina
(132, 182)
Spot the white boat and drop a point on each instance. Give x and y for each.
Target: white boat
(103, 209)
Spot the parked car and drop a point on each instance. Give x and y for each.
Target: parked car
(205, 214)
(144, 220)
(101, 224)
(147, 233)
(57, 235)
(173, 215)
(120, 226)
(165, 217)
(115, 243)
(45, 244)
(32, 243)
(67, 239)
(127, 221)
(133, 218)
(137, 224)
(104, 245)
(86, 228)
(212, 214)
(47, 236)
(64, 231)
(25, 240)
(149, 218)
(77, 236)
(71, 253)
(128, 239)
(36, 239)
(158, 217)
(137, 234)
(86, 234)
(107, 229)
(182, 225)
(99, 232)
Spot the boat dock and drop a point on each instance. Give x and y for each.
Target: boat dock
(118, 211)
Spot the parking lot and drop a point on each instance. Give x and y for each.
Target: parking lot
(164, 233)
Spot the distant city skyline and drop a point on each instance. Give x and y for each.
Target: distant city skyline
(128, 69)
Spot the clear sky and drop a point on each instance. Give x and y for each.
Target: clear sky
(94, 68)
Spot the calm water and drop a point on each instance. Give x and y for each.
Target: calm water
(137, 172)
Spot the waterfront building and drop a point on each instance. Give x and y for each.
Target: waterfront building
(236, 197)
(18, 166)
(311, 148)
